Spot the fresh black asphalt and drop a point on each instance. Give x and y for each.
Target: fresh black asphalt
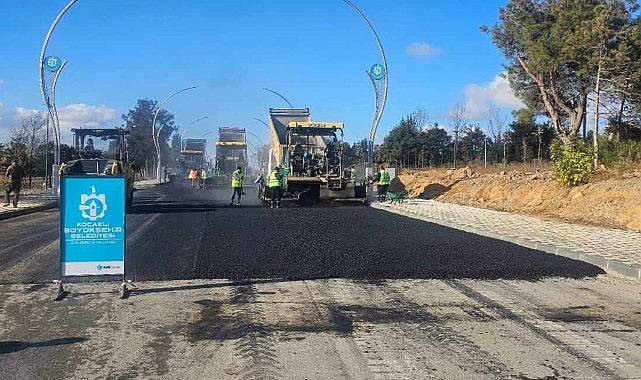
(197, 235)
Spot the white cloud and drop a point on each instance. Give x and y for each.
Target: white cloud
(1, 81)
(84, 116)
(422, 50)
(21, 111)
(5, 127)
(71, 116)
(478, 99)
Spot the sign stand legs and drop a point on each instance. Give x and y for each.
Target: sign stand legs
(124, 290)
(60, 291)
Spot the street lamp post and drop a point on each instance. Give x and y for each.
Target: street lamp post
(380, 85)
(269, 131)
(48, 98)
(259, 152)
(279, 95)
(186, 129)
(156, 136)
(261, 121)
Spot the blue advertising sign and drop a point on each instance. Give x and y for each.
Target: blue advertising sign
(377, 71)
(92, 231)
(52, 63)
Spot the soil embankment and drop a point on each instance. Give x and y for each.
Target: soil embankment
(611, 202)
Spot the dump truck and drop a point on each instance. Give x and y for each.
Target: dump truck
(310, 155)
(192, 154)
(231, 152)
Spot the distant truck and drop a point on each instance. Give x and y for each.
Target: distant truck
(231, 152)
(192, 154)
(310, 155)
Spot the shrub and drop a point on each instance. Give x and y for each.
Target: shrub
(613, 153)
(572, 163)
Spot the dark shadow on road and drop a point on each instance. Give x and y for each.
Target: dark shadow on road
(7, 347)
(138, 291)
(183, 207)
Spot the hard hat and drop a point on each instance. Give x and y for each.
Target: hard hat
(276, 168)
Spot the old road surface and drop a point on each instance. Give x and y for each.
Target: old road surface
(342, 292)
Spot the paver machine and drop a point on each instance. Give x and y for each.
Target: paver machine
(310, 155)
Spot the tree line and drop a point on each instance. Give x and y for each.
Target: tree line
(31, 141)
(570, 62)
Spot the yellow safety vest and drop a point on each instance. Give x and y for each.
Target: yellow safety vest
(237, 179)
(116, 168)
(274, 181)
(384, 180)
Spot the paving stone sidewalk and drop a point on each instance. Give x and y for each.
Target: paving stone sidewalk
(616, 251)
(39, 202)
(26, 205)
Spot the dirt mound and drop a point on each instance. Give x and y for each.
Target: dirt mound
(611, 202)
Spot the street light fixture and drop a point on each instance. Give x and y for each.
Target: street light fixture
(261, 121)
(259, 151)
(155, 136)
(185, 130)
(281, 96)
(379, 83)
(197, 120)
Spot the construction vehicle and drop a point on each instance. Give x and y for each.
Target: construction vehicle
(192, 154)
(231, 152)
(93, 161)
(310, 155)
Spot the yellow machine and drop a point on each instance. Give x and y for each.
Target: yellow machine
(310, 154)
(92, 161)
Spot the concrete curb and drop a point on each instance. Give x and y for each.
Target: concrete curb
(28, 210)
(609, 265)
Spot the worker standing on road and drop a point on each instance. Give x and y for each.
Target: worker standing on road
(382, 180)
(275, 184)
(191, 177)
(204, 177)
(237, 185)
(353, 174)
(260, 186)
(196, 182)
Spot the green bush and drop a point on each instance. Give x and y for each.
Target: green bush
(613, 153)
(573, 163)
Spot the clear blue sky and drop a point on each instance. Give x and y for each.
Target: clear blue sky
(315, 53)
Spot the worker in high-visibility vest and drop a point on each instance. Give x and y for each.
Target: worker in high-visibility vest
(116, 168)
(353, 174)
(204, 177)
(275, 186)
(382, 181)
(237, 185)
(193, 176)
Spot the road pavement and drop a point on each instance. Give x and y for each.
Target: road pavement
(614, 250)
(337, 292)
